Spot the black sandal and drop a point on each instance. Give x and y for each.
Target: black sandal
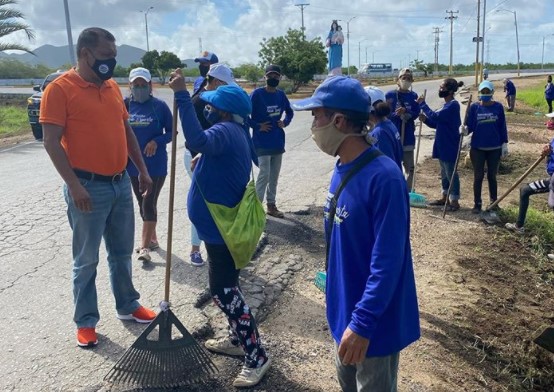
(452, 208)
(438, 202)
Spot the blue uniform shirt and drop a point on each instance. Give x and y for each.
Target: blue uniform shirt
(447, 123)
(397, 99)
(388, 140)
(487, 124)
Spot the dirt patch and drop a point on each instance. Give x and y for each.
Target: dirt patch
(16, 139)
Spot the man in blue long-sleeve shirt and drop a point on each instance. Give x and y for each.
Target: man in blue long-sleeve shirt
(510, 90)
(371, 295)
(268, 136)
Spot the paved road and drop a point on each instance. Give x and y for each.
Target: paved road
(38, 342)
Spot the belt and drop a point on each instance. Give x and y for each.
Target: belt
(85, 175)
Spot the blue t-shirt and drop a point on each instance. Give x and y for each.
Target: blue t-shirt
(388, 140)
(223, 170)
(151, 120)
(549, 91)
(447, 123)
(270, 107)
(397, 99)
(510, 88)
(487, 124)
(550, 160)
(197, 84)
(370, 278)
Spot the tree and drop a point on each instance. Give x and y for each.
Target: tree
(298, 58)
(161, 63)
(9, 24)
(420, 66)
(250, 72)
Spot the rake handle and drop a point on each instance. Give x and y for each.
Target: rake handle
(515, 184)
(417, 149)
(457, 160)
(171, 202)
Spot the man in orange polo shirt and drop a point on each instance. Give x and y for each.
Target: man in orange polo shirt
(88, 138)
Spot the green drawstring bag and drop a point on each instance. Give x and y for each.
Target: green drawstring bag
(240, 226)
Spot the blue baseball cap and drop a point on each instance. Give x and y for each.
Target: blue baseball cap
(229, 98)
(337, 92)
(485, 84)
(207, 57)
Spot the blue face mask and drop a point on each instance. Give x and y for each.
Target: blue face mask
(485, 97)
(211, 116)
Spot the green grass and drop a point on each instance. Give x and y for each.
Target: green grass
(13, 121)
(534, 97)
(539, 225)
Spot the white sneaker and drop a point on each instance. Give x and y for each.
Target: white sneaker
(513, 227)
(550, 256)
(144, 255)
(249, 377)
(224, 346)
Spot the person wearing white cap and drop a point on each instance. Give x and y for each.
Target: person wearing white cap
(486, 122)
(218, 75)
(151, 121)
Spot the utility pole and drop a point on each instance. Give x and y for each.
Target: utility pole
(348, 38)
(488, 51)
(302, 4)
(200, 44)
(483, 42)
(451, 17)
(436, 31)
(477, 43)
(70, 38)
(146, 26)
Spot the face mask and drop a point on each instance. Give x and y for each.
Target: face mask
(272, 82)
(405, 84)
(104, 68)
(485, 97)
(328, 138)
(211, 116)
(140, 94)
(444, 93)
(204, 70)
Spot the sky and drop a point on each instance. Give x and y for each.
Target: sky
(380, 31)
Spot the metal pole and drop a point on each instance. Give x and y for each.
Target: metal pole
(69, 36)
(366, 54)
(359, 55)
(451, 17)
(146, 24)
(483, 43)
(517, 43)
(542, 58)
(348, 38)
(477, 44)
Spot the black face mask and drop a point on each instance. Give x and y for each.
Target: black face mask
(444, 93)
(104, 68)
(204, 70)
(272, 82)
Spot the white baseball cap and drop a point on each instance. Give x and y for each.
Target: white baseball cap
(222, 72)
(139, 73)
(376, 95)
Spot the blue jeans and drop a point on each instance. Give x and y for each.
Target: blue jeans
(194, 239)
(447, 168)
(270, 167)
(112, 218)
(371, 375)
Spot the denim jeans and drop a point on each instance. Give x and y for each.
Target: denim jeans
(447, 168)
(371, 375)
(270, 166)
(112, 218)
(194, 239)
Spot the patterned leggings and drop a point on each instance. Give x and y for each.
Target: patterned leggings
(226, 294)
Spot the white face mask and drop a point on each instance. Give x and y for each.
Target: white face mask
(328, 138)
(404, 84)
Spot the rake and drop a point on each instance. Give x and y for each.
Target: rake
(417, 199)
(169, 359)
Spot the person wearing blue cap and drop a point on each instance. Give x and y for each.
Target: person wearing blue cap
(204, 61)
(220, 176)
(268, 135)
(486, 122)
(371, 296)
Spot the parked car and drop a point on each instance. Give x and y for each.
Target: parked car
(33, 104)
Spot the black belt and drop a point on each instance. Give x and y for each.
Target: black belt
(85, 175)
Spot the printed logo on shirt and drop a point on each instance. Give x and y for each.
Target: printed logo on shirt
(274, 111)
(341, 213)
(140, 120)
(485, 118)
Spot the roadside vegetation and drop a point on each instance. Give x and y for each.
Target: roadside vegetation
(533, 96)
(13, 121)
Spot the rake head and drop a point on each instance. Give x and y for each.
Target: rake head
(417, 200)
(162, 361)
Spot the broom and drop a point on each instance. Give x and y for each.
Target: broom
(167, 361)
(457, 160)
(416, 199)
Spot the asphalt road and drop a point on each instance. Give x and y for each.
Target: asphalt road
(38, 336)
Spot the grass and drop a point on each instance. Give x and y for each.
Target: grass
(13, 121)
(533, 96)
(538, 224)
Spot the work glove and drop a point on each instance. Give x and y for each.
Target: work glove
(504, 150)
(463, 130)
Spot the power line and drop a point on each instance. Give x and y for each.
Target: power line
(436, 32)
(451, 17)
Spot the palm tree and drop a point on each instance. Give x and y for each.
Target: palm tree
(9, 24)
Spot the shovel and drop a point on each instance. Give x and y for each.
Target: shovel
(490, 216)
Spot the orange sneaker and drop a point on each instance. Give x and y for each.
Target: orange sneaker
(141, 315)
(86, 337)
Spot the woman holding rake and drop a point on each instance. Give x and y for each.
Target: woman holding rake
(447, 122)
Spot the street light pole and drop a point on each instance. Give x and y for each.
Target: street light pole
(517, 36)
(70, 37)
(360, 54)
(348, 38)
(146, 24)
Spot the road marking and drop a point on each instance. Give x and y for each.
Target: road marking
(17, 146)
